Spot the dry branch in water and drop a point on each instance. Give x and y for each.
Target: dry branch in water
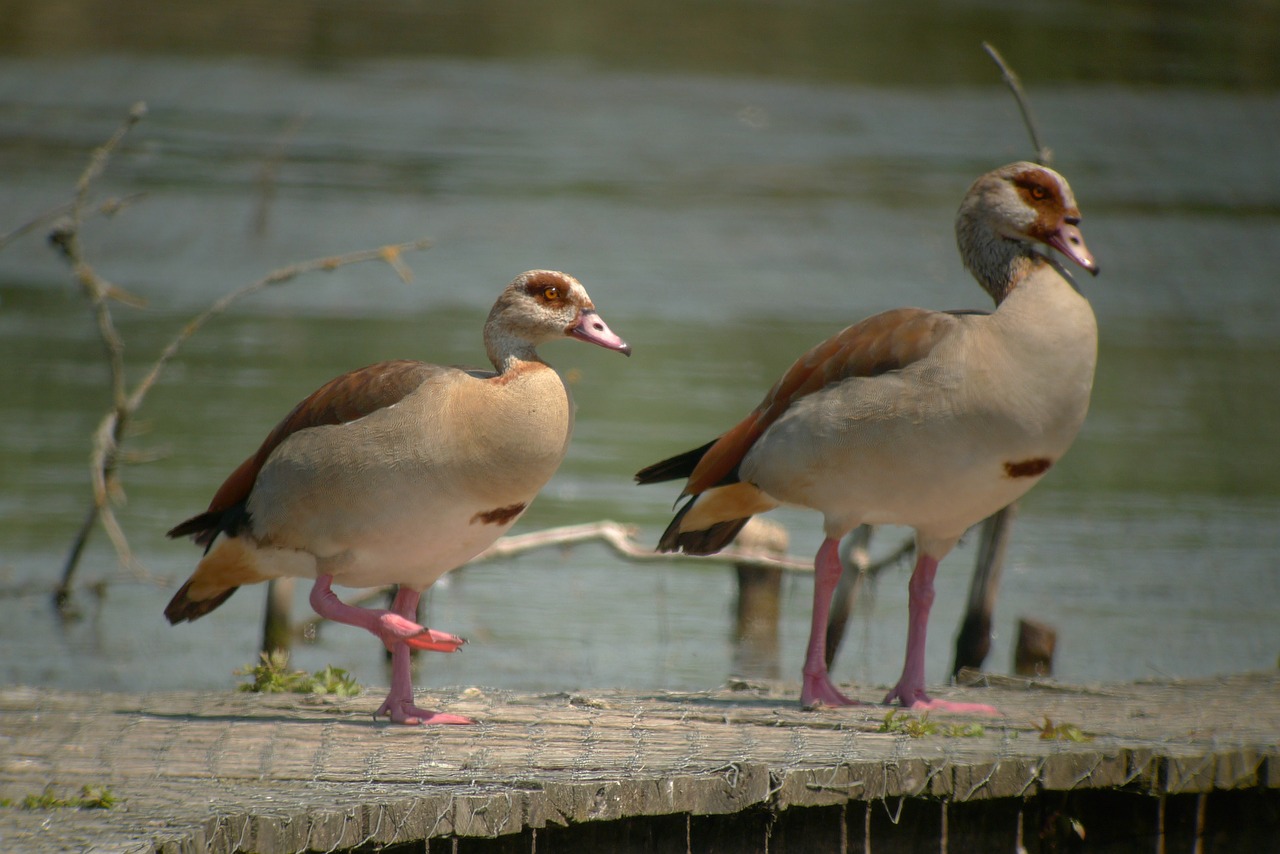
(107, 207)
(105, 459)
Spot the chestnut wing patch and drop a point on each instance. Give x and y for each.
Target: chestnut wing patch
(1033, 467)
(343, 399)
(885, 342)
(498, 515)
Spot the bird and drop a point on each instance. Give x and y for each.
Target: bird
(396, 473)
(928, 419)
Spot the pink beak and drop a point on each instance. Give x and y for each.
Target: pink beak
(1070, 242)
(592, 328)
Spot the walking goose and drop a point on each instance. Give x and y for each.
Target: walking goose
(395, 474)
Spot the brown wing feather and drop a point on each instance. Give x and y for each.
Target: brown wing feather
(345, 398)
(882, 343)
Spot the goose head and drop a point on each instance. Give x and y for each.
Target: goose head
(540, 306)
(1007, 213)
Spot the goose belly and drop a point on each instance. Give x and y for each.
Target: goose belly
(939, 470)
(384, 519)
(415, 550)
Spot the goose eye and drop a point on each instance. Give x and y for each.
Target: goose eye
(551, 293)
(1039, 193)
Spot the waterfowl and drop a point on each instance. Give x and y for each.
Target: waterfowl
(928, 419)
(397, 473)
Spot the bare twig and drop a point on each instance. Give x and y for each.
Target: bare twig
(66, 237)
(276, 277)
(267, 174)
(107, 207)
(1044, 155)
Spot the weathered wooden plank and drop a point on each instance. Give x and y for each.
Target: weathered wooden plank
(904, 778)
(1071, 770)
(1192, 772)
(1238, 769)
(487, 814)
(1012, 777)
(741, 785)
(815, 787)
(1142, 769)
(230, 772)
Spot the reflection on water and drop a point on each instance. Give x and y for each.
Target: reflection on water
(727, 207)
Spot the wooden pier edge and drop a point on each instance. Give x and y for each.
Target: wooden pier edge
(741, 768)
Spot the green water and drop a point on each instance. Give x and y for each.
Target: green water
(733, 182)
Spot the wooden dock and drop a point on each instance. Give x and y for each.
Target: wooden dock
(1164, 767)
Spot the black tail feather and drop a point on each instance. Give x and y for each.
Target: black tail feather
(181, 609)
(205, 527)
(673, 468)
(705, 542)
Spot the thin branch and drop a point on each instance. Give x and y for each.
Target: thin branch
(276, 277)
(107, 207)
(1044, 155)
(66, 237)
(267, 175)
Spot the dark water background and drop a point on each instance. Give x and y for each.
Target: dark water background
(733, 181)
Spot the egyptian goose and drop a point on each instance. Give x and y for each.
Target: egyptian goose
(395, 474)
(933, 420)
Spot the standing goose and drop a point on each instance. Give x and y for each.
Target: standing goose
(395, 474)
(929, 419)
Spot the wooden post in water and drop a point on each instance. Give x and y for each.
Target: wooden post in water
(855, 560)
(973, 644)
(1033, 655)
(759, 606)
(277, 621)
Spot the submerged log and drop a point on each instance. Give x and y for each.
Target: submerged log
(277, 618)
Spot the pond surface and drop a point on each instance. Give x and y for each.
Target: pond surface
(733, 182)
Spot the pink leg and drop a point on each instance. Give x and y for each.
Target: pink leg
(817, 689)
(399, 703)
(910, 688)
(388, 626)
